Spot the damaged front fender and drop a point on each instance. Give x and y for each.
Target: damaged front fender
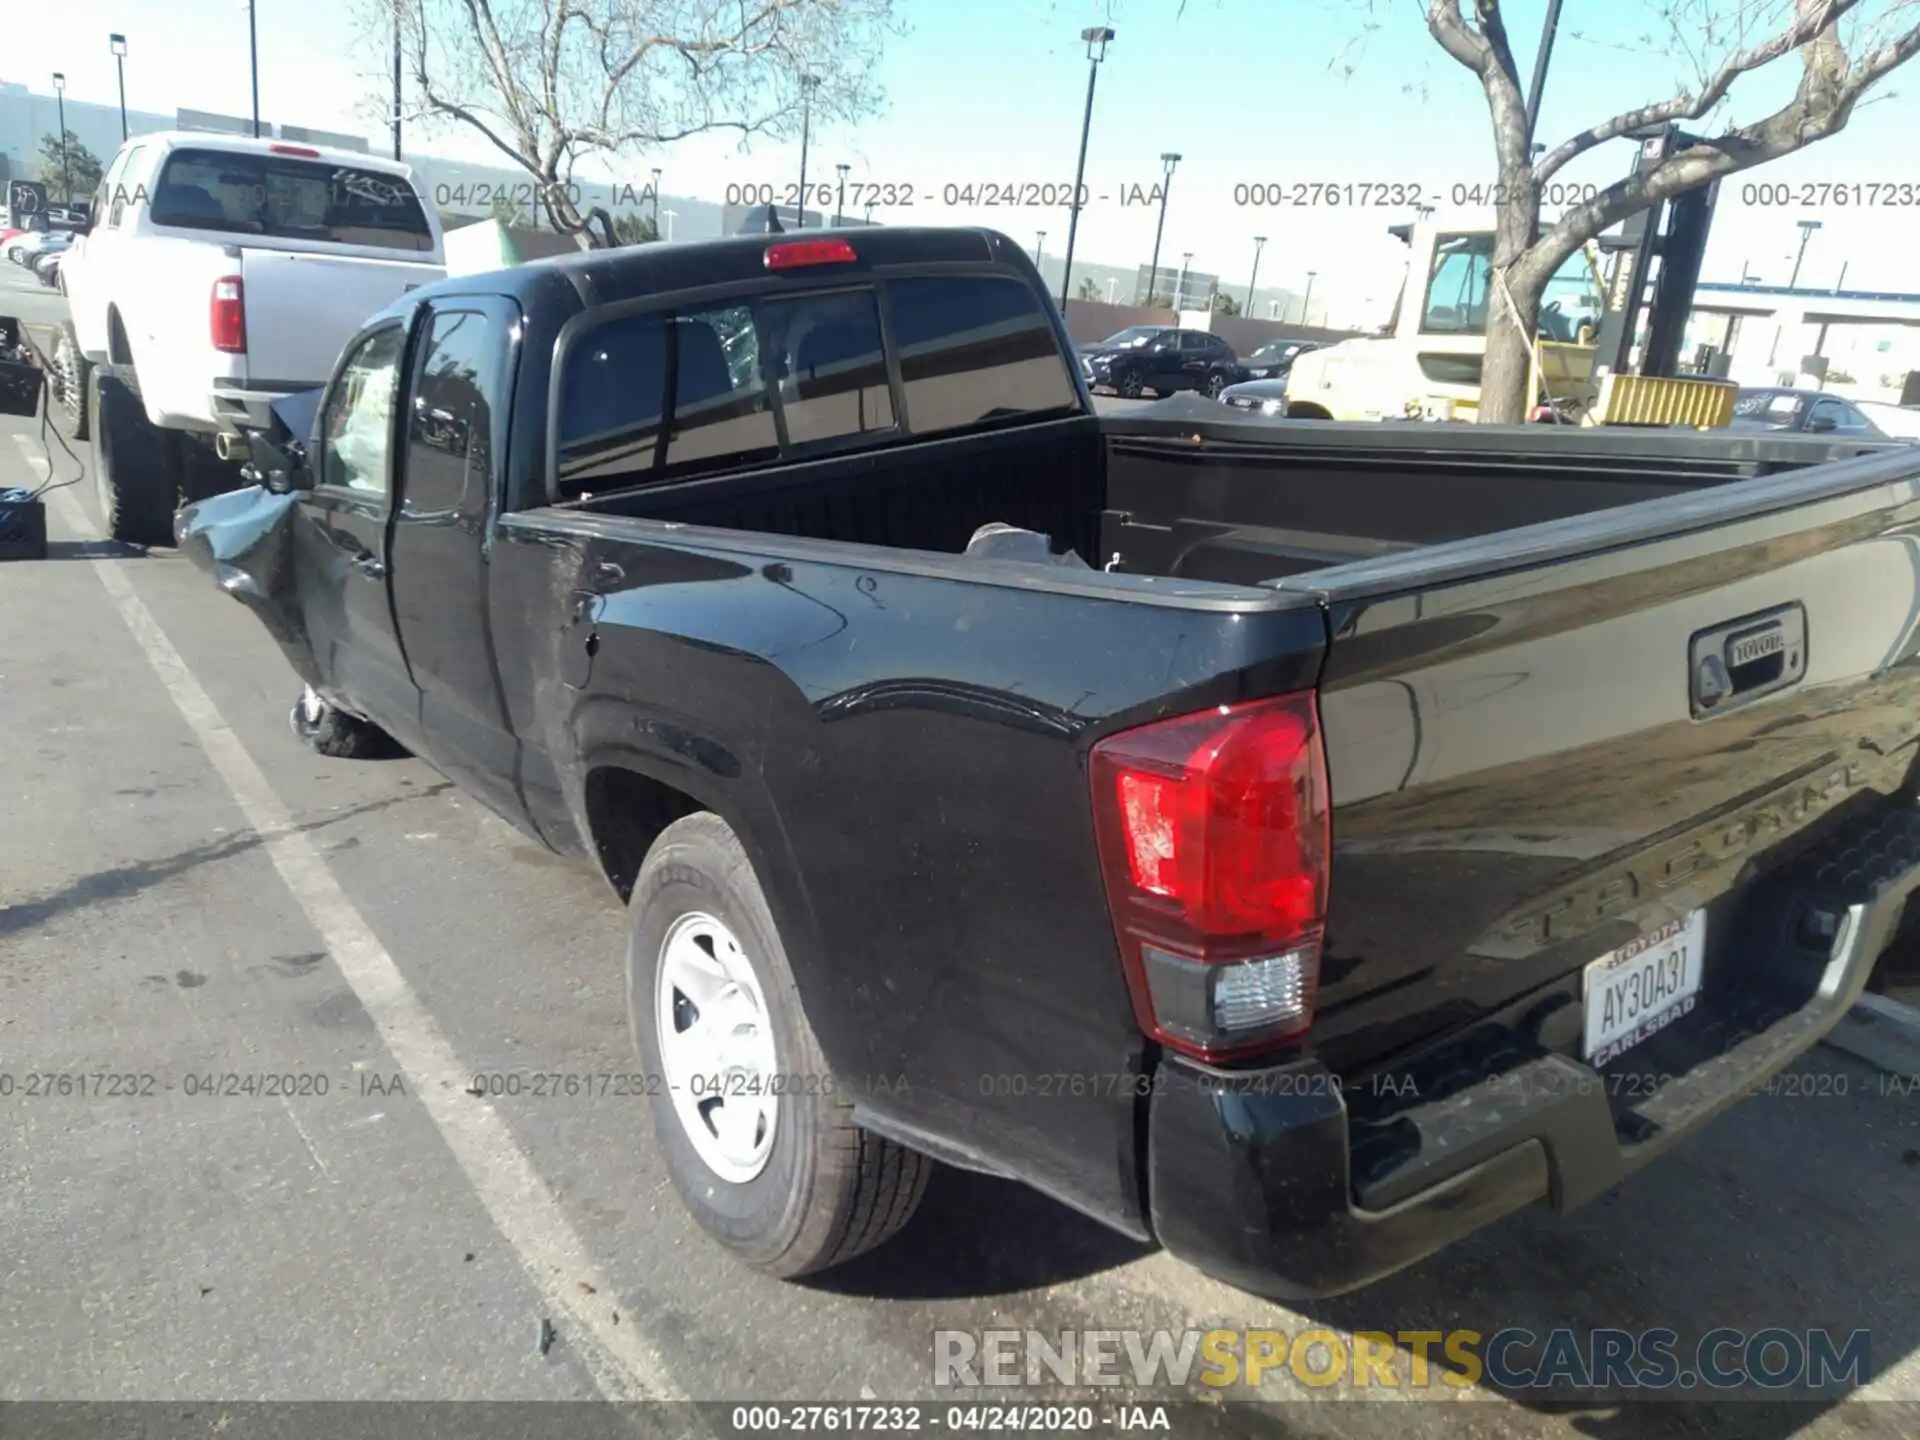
(244, 540)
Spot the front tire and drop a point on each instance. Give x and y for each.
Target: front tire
(136, 464)
(786, 1180)
(1216, 382)
(328, 730)
(1131, 386)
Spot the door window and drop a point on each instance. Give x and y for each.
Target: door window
(1192, 342)
(450, 424)
(1457, 287)
(357, 427)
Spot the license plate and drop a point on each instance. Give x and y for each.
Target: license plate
(1638, 990)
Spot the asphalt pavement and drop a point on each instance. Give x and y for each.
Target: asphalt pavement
(190, 895)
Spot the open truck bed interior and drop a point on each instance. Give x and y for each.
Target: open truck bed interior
(1178, 490)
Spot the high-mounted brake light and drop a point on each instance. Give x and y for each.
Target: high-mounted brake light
(1213, 836)
(295, 150)
(792, 254)
(227, 316)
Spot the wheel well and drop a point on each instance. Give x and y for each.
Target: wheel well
(626, 811)
(118, 351)
(1306, 410)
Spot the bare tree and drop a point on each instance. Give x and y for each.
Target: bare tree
(549, 82)
(1722, 42)
(1844, 49)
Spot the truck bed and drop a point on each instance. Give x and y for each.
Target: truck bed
(1182, 490)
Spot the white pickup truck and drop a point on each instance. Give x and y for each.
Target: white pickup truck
(218, 273)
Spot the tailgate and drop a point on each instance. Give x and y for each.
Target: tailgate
(302, 308)
(1550, 745)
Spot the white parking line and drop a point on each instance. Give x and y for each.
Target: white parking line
(623, 1365)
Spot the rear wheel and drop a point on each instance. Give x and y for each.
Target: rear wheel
(136, 464)
(1131, 386)
(758, 1137)
(67, 384)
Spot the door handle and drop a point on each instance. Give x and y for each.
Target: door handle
(370, 565)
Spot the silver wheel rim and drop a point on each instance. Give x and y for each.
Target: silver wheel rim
(717, 1053)
(63, 369)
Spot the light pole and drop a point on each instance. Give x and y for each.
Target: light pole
(1168, 160)
(670, 215)
(1098, 37)
(1807, 227)
(1307, 299)
(1039, 247)
(1180, 285)
(1539, 81)
(66, 175)
(840, 197)
(118, 44)
(869, 214)
(656, 202)
(253, 62)
(1259, 244)
(396, 82)
(807, 82)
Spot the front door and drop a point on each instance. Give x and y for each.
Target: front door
(349, 613)
(455, 435)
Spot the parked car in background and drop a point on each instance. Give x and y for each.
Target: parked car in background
(46, 269)
(1263, 397)
(1778, 409)
(220, 271)
(1159, 360)
(1274, 359)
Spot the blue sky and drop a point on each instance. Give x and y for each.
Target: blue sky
(1248, 91)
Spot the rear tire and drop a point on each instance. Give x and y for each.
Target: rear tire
(69, 385)
(795, 1186)
(1130, 386)
(136, 464)
(331, 731)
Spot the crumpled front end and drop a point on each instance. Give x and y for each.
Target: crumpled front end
(244, 540)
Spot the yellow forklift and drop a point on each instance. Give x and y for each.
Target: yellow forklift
(1587, 369)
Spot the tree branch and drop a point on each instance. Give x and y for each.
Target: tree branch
(1820, 108)
(1812, 18)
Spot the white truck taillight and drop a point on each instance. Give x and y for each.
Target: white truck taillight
(227, 316)
(1213, 836)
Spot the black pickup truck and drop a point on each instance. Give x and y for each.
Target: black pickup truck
(1296, 844)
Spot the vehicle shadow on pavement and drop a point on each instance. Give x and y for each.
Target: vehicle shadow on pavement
(1790, 1214)
(125, 880)
(973, 1236)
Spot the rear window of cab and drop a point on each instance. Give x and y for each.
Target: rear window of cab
(288, 198)
(668, 394)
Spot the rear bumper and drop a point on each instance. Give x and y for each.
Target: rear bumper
(238, 407)
(1271, 1181)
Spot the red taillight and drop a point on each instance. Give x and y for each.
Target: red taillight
(295, 150)
(227, 316)
(792, 254)
(1213, 834)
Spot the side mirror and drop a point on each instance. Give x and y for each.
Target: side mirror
(1821, 424)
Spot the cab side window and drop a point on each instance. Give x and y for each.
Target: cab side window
(115, 189)
(450, 418)
(357, 426)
